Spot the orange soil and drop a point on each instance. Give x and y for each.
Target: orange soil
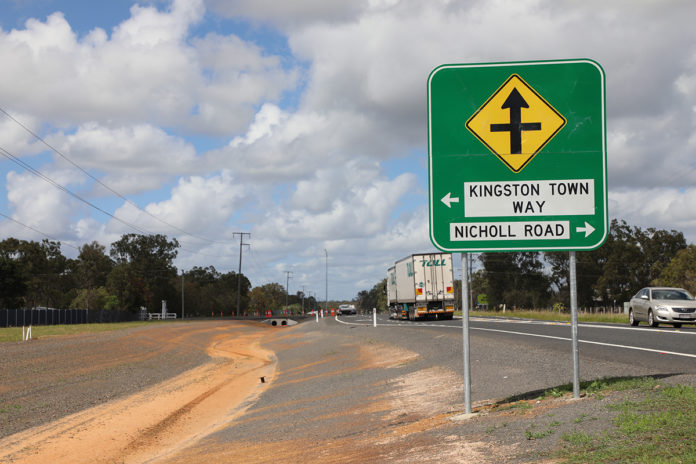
(159, 421)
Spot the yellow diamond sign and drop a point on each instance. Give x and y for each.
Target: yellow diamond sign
(515, 123)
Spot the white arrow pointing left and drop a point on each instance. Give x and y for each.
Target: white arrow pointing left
(448, 200)
(588, 229)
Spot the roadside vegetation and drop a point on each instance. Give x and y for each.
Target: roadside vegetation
(657, 427)
(543, 315)
(14, 334)
(644, 420)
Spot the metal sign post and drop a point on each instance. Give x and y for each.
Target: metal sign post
(465, 332)
(574, 324)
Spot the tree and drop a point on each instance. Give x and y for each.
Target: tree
(43, 269)
(587, 271)
(659, 247)
(374, 298)
(144, 272)
(268, 297)
(12, 286)
(93, 267)
(631, 258)
(681, 271)
(98, 298)
(516, 279)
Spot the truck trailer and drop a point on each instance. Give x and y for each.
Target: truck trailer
(421, 286)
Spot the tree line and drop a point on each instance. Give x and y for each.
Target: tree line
(137, 272)
(630, 259)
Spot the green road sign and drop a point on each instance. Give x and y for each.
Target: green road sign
(517, 156)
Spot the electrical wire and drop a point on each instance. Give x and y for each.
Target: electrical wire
(38, 231)
(44, 177)
(84, 171)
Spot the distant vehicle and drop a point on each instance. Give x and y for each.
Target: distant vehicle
(421, 286)
(346, 309)
(669, 305)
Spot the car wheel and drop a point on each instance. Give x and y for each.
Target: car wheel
(651, 319)
(631, 318)
(676, 325)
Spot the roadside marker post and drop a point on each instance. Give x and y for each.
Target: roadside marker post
(517, 162)
(374, 317)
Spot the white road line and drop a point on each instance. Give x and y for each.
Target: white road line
(589, 342)
(613, 345)
(593, 326)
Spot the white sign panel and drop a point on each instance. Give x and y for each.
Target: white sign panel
(529, 198)
(527, 230)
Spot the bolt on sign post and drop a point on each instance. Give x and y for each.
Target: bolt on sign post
(517, 157)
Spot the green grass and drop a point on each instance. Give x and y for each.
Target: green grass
(660, 428)
(14, 334)
(543, 315)
(599, 387)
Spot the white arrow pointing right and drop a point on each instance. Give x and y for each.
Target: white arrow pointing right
(448, 200)
(588, 229)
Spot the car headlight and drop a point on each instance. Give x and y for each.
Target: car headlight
(663, 308)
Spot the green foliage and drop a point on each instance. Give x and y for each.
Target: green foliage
(94, 298)
(516, 279)
(658, 428)
(39, 274)
(144, 272)
(374, 298)
(681, 270)
(208, 291)
(268, 297)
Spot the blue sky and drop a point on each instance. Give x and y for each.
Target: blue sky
(304, 123)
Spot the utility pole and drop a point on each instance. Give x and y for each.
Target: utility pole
(182, 293)
(287, 282)
(239, 273)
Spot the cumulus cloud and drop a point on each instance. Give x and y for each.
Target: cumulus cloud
(145, 71)
(41, 205)
(216, 131)
(134, 158)
(201, 205)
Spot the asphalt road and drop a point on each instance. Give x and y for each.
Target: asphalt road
(345, 391)
(663, 349)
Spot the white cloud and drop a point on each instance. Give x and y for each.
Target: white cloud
(146, 71)
(41, 205)
(309, 145)
(198, 205)
(135, 159)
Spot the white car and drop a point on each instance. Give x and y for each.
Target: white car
(346, 309)
(669, 305)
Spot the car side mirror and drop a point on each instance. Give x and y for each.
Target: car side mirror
(644, 297)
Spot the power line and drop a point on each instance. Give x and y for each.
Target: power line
(45, 178)
(38, 231)
(84, 171)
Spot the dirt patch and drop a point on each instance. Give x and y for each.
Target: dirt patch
(159, 420)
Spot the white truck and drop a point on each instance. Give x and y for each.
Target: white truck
(421, 286)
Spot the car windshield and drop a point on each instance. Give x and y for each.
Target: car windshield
(671, 295)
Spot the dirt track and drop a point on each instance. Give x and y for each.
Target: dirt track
(149, 423)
